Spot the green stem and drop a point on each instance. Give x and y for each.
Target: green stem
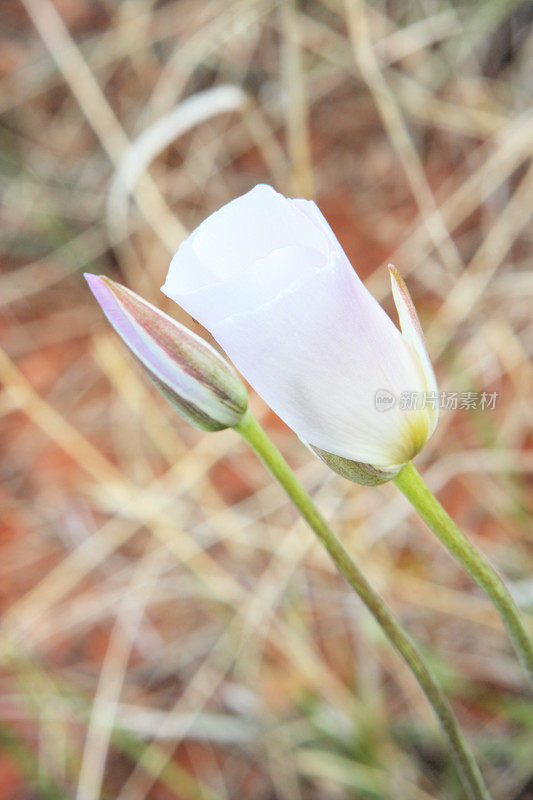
(252, 432)
(410, 482)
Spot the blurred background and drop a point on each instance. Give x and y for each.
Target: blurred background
(169, 628)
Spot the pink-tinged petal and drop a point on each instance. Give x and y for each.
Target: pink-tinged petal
(414, 336)
(187, 370)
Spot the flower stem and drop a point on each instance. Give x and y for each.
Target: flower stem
(252, 432)
(411, 483)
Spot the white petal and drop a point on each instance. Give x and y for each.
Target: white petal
(316, 346)
(414, 336)
(313, 213)
(241, 232)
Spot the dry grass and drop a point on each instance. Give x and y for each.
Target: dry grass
(170, 629)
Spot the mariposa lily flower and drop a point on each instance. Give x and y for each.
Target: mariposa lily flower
(268, 278)
(193, 377)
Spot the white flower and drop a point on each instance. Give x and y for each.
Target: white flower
(267, 277)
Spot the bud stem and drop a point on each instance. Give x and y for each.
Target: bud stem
(252, 432)
(411, 483)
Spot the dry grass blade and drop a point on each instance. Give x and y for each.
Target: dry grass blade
(399, 135)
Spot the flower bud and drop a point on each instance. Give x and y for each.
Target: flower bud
(201, 385)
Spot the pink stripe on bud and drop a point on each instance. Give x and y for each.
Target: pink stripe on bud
(199, 383)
